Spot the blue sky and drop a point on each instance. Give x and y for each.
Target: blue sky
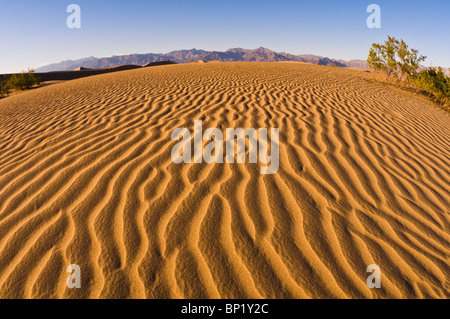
(35, 32)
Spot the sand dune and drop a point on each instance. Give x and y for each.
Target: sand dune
(86, 178)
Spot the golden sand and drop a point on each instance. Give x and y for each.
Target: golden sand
(86, 177)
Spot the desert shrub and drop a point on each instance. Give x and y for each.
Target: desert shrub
(397, 61)
(377, 60)
(22, 81)
(434, 82)
(394, 58)
(4, 89)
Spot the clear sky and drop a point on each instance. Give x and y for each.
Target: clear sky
(35, 32)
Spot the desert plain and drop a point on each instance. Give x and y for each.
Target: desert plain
(87, 178)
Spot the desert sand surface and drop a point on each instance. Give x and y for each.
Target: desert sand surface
(81, 72)
(86, 178)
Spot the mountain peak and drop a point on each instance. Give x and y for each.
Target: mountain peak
(262, 49)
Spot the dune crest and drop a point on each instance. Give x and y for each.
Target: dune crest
(86, 178)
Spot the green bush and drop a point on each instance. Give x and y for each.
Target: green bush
(4, 90)
(22, 81)
(395, 59)
(434, 82)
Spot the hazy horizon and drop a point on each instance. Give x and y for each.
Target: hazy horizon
(40, 36)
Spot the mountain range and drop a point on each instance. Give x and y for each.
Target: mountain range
(193, 55)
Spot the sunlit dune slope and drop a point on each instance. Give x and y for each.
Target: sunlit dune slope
(87, 178)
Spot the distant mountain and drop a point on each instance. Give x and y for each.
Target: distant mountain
(186, 56)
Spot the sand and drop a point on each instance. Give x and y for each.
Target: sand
(86, 178)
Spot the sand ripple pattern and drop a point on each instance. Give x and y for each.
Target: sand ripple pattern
(86, 178)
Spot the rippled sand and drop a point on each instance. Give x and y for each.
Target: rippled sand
(86, 177)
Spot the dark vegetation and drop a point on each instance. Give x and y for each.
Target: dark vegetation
(24, 80)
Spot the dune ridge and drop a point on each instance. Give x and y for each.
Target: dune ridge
(86, 178)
